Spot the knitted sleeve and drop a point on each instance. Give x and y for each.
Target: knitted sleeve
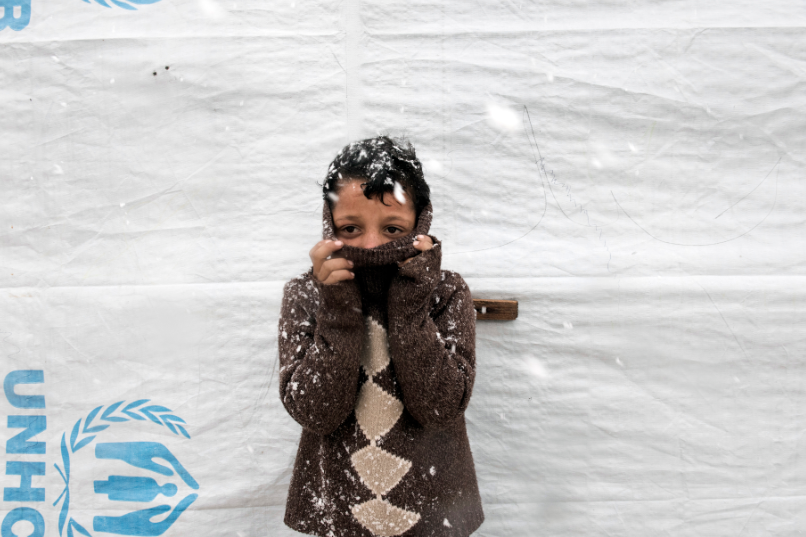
(432, 339)
(320, 337)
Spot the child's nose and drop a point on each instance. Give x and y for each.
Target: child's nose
(372, 239)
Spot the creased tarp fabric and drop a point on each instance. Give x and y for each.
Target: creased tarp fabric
(631, 174)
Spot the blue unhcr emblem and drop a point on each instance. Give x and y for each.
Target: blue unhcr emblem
(10, 18)
(141, 489)
(123, 488)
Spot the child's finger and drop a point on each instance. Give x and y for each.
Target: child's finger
(315, 246)
(327, 247)
(339, 275)
(334, 266)
(337, 263)
(423, 242)
(321, 246)
(322, 251)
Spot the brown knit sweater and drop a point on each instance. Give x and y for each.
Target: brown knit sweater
(378, 370)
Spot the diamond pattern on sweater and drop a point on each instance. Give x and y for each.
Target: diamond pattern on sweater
(377, 412)
(379, 469)
(375, 351)
(384, 519)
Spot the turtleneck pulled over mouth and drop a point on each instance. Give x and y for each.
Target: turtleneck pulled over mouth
(375, 267)
(390, 253)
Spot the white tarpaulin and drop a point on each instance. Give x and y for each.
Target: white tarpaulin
(630, 173)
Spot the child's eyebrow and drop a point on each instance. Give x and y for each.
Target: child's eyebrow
(348, 217)
(353, 218)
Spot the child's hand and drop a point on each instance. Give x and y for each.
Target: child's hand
(422, 243)
(329, 268)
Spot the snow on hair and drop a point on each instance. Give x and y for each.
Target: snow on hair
(384, 164)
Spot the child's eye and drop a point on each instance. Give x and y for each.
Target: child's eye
(348, 229)
(393, 228)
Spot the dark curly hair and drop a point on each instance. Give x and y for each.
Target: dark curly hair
(381, 162)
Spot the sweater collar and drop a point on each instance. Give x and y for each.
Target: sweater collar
(389, 253)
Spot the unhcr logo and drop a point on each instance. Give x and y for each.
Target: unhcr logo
(133, 487)
(154, 458)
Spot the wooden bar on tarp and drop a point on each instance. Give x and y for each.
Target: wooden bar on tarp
(495, 310)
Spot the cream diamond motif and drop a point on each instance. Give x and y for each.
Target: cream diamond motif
(384, 519)
(379, 470)
(375, 350)
(376, 411)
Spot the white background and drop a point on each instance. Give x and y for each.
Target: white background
(653, 383)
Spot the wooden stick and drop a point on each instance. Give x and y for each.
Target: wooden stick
(495, 310)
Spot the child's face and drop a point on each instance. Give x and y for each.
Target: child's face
(367, 223)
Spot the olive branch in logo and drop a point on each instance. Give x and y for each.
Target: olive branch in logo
(133, 411)
(124, 5)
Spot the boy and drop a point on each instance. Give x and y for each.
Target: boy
(377, 356)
